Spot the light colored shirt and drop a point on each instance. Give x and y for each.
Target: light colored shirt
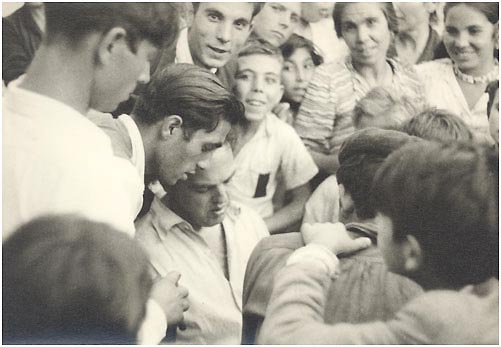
(323, 204)
(128, 149)
(325, 38)
(324, 119)
(274, 149)
(443, 91)
(57, 161)
(215, 314)
(295, 312)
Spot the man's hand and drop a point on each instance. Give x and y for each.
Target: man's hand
(171, 297)
(333, 236)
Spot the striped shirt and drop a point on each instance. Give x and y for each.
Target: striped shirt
(324, 120)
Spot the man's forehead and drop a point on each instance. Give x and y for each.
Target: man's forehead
(230, 9)
(294, 7)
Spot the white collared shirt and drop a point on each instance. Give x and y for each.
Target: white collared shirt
(274, 149)
(215, 314)
(443, 91)
(57, 161)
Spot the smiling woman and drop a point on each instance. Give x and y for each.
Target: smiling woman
(458, 83)
(324, 118)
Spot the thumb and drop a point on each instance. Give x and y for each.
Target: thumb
(357, 244)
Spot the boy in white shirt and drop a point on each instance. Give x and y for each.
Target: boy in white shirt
(266, 148)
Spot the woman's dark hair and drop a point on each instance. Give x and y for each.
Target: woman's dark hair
(295, 42)
(489, 9)
(386, 7)
(72, 281)
(446, 196)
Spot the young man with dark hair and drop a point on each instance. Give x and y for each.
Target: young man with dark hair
(216, 34)
(55, 159)
(364, 276)
(438, 212)
(68, 280)
(199, 232)
(184, 114)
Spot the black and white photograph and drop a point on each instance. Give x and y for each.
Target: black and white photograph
(227, 173)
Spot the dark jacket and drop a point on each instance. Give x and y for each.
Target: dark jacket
(21, 38)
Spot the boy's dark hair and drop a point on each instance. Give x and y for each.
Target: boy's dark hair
(446, 196)
(70, 280)
(257, 7)
(491, 89)
(191, 92)
(359, 158)
(438, 125)
(258, 46)
(72, 21)
(295, 42)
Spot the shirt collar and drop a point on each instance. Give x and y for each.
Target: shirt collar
(183, 53)
(165, 219)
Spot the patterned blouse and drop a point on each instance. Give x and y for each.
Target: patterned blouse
(324, 120)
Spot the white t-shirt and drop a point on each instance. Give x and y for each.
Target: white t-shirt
(274, 149)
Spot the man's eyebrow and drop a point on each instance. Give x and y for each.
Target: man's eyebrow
(214, 11)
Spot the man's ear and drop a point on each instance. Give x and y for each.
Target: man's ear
(280, 94)
(413, 254)
(170, 125)
(109, 42)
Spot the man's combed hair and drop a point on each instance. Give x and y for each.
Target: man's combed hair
(257, 7)
(69, 280)
(191, 92)
(72, 21)
(446, 196)
(438, 125)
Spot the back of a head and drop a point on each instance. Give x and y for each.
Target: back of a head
(446, 196)
(359, 158)
(382, 109)
(191, 92)
(72, 21)
(70, 280)
(438, 125)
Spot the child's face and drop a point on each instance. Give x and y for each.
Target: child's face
(258, 85)
(297, 73)
(494, 118)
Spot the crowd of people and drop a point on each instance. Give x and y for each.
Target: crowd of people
(251, 173)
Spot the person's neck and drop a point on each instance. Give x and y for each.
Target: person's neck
(171, 204)
(149, 135)
(62, 75)
(245, 131)
(377, 74)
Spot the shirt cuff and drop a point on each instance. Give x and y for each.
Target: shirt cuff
(318, 256)
(154, 325)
